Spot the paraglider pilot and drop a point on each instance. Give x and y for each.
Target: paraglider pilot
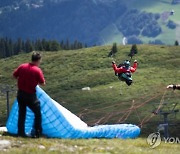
(123, 71)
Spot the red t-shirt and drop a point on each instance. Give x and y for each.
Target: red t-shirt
(123, 70)
(29, 76)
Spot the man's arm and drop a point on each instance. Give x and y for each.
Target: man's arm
(116, 69)
(42, 81)
(134, 67)
(16, 73)
(173, 87)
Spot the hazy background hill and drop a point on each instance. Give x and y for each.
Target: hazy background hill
(91, 21)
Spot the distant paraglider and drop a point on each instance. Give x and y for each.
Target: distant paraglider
(172, 12)
(124, 41)
(165, 15)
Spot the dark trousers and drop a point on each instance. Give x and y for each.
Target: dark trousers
(31, 101)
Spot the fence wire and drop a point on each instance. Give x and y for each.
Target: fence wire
(7, 96)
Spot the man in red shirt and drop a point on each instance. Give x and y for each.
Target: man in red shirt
(124, 71)
(29, 75)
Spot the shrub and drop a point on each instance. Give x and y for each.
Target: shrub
(152, 30)
(134, 40)
(156, 42)
(176, 43)
(113, 50)
(133, 51)
(171, 24)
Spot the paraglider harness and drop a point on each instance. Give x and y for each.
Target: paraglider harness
(125, 77)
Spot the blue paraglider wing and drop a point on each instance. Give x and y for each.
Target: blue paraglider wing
(58, 122)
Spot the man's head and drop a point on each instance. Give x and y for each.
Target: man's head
(127, 63)
(36, 58)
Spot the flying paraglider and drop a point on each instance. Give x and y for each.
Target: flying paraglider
(124, 71)
(172, 12)
(124, 41)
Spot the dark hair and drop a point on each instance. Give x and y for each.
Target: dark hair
(35, 56)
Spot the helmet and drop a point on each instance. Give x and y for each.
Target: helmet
(127, 63)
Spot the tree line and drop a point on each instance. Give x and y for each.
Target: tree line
(114, 50)
(10, 47)
(135, 23)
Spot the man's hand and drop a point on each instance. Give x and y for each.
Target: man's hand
(171, 86)
(42, 84)
(113, 62)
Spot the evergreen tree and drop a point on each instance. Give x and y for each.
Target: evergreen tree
(15, 48)
(28, 46)
(72, 46)
(75, 44)
(176, 43)
(133, 51)
(19, 45)
(7, 48)
(67, 46)
(80, 45)
(45, 45)
(23, 46)
(11, 52)
(113, 50)
(2, 48)
(48, 47)
(55, 46)
(62, 44)
(38, 45)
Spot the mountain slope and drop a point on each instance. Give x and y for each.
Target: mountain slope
(79, 19)
(66, 72)
(91, 22)
(163, 8)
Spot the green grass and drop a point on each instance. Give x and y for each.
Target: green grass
(66, 72)
(91, 146)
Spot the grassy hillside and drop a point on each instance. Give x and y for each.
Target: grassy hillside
(66, 72)
(168, 36)
(56, 146)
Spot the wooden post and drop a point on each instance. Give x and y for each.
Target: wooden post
(7, 98)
